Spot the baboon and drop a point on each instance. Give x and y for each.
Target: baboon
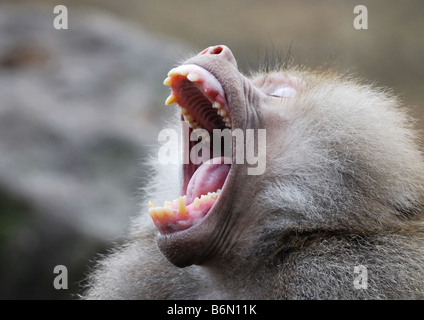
(337, 212)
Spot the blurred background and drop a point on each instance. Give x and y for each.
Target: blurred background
(81, 108)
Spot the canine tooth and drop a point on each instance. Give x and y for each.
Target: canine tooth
(216, 105)
(196, 203)
(167, 81)
(193, 77)
(184, 110)
(151, 205)
(182, 209)
(170, 100)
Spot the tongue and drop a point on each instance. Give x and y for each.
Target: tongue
(208, 178)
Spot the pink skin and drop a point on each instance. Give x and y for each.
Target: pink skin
(206, 90)
(209, 177)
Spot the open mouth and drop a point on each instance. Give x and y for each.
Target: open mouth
(203, 105)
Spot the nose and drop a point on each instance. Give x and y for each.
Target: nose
(220, 50)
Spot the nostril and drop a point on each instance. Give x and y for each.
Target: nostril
(212, 50)
(204, 51)
(222, 52)
(216, 50)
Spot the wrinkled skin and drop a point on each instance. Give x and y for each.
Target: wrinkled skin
(343, 187)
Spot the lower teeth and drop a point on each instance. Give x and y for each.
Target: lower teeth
(171, 211)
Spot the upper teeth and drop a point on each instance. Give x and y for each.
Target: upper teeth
(216, 105)
(194, 76)
(170, 100)
(182, 70)
(222, 112)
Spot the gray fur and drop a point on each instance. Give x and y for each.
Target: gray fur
(343, 187)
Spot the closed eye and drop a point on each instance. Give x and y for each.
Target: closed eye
(284, 92)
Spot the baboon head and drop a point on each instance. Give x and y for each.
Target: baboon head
(329, 154)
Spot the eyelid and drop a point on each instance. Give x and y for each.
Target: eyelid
(284, 92)
(259, 83)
